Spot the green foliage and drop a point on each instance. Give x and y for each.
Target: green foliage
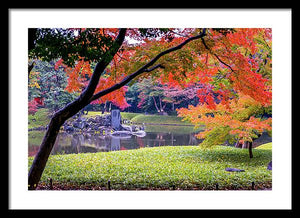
(68, 44)
(57, 98)
(35, 137)
(132, 97)
(185, 167)
(217, 136)
(40, 118)
(51, 85)
(150, 91)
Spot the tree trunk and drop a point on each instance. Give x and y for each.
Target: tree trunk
(250, 150)
(238, 144)
(32, 35)
(105, 107)
(160, 105)
(245, 145)
(48, 142)
(30, 67)
(68, 111)
(42, 156)
(109, 109)
(155, 104)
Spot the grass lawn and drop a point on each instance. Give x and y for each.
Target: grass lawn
(159, 119)
(163, 124)
(267, 146)
(128, 115)
(160, 168)
(142, 118)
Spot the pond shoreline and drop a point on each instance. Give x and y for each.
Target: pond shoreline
(83, 142)
(40, 128)
(164, 124)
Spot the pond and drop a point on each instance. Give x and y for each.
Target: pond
(87, 143)
(156, 135)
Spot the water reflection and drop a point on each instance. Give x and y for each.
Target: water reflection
(87, 143)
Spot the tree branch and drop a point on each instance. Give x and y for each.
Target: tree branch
(227, 65)
(223, 62)
(69, 110)
(155, 104)
(145, 67)
(100, 67)
(155, 67)
(30, 67)
(84, 98)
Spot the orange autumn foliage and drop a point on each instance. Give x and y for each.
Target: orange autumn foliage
(237, 119)
(78, 78)
(227, 64)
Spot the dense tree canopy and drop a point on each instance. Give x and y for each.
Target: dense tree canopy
(229, 70)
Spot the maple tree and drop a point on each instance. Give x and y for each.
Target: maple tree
(224, 64)
(90, 94)
(78, 79)
(241, 121)
(153, 96)
(241, 78)
(151, 93)
(33, 86)
(32, 106)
